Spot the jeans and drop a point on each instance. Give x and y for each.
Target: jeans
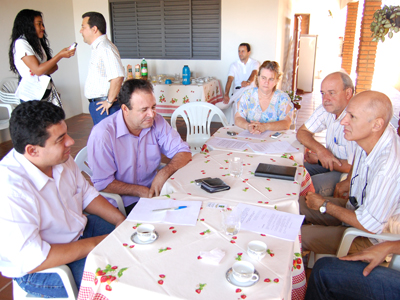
(332, 278)
(49, 285)
(96, 116)
(323, 179)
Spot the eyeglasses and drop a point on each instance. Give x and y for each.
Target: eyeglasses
(352, 199)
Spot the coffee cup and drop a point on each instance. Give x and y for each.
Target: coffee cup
(256, 249)
(145, 233)
(243, 271)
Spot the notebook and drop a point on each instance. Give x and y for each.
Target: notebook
(277, 172)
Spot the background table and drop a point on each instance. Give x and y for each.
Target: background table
(171, 96)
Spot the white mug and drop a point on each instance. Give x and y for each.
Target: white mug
(256, 249)
(145, 232)
(243, 271)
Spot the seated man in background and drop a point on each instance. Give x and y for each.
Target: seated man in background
(356, 276)
(125, 150)
(372, 188)
(43, 196)
(326, 164)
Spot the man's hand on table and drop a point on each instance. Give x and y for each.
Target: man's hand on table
(314, 201)
(157, 184)
(327, 159)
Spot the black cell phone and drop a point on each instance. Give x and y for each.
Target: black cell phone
(232, 133)
(276, 135)
(214, 185)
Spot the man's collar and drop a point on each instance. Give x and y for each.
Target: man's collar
(37, 177)
(97, 41)
(383, 140)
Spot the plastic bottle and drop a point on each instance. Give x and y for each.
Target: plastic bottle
(138, 74)
(129, 72)
(186, 75)
(143, 69)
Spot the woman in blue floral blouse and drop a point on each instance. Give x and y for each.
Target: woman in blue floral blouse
(265, 107)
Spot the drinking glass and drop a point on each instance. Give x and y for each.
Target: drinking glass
(231, 220)
(236, 166)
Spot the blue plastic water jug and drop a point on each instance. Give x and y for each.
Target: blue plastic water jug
(186, 75)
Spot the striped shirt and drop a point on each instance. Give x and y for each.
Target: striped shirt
(377, 176)
(335, 141)
(105, 64)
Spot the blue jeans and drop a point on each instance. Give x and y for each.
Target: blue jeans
(96, 116)
(49, 285)
(323, 179)
(332, 278)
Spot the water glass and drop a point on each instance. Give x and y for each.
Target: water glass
(231, 219)
(236, 166)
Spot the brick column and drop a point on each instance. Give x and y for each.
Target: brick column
(349, 35)
(367, 49)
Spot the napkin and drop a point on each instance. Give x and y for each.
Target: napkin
(212, 257)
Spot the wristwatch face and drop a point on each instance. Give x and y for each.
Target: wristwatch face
(322, 209)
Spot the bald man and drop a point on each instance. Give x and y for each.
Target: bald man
(327, 163)
(369, 199)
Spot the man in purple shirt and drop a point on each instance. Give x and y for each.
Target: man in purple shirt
(124, 150)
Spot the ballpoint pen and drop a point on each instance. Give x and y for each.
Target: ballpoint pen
(170, 208)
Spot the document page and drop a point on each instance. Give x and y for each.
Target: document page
(270, 222)
(262, 136)
(143, 211)
(271, 148)
(222, 143)
(32, 87)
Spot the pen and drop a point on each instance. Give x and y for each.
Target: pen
(170, 208)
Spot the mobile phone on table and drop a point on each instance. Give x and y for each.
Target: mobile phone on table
(276, 135)
(199, 181)
(231, 133)
(73, 46)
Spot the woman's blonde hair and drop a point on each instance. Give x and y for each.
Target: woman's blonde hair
(272, 66)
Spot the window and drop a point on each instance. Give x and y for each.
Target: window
(167, 29)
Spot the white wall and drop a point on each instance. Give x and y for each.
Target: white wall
(57, 17)
(254, 22)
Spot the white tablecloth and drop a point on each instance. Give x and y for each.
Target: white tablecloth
(171, 96)
(171, 268)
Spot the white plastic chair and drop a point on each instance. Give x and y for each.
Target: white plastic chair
(82, 162)
(8, 86)
(348, 236)
(63, 271)
(197, 116)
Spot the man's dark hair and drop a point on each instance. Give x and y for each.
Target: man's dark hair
(24, 27)
(245, 45)
(129, 87)
(29, 122)
(96, 19)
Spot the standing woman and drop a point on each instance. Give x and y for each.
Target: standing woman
(265, 107)
(30, 52)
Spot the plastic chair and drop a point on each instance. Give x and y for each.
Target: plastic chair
(348, 236)
(8, 86)
(63, 271)
(81, 161)
(197, 116)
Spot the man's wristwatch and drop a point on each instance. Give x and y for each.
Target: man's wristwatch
(111, 103)
(322, 208)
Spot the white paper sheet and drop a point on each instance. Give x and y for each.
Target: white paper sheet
(270, 222)
(32, 87)
(222, 143)
(274, 147)
(143, 211)
(262, 136)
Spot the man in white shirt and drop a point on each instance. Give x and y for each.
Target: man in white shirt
(106, 72)
(369, 199)
(327, 163)
(43, 198)
(241, 72)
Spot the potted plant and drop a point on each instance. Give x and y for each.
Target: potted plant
(295, 99)
(386, 22)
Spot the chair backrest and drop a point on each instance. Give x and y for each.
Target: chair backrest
(81, 160)
(8, 86)
(198, 116)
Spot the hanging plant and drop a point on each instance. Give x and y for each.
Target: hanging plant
(386, 22)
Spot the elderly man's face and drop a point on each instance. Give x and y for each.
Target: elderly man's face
(334, 96)
(142, 112)
(358, 120)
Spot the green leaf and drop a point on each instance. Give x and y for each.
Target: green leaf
(390, 35)
(121, 271)
(383, 39)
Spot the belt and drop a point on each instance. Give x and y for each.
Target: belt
(98, 99)
(237, 88)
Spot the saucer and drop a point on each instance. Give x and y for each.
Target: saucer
(136, 240)
(233, 281)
